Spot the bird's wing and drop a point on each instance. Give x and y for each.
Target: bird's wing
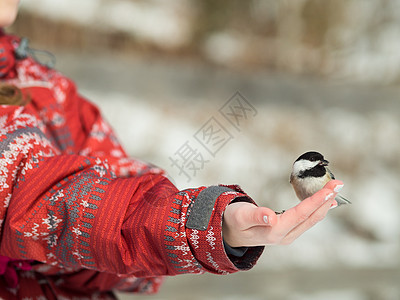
(341, 200)
(330, 173)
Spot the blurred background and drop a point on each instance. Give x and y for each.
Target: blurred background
(320, 75)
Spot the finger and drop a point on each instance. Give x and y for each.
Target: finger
(244, 215)
(260, 216)
(314, 218)
(269, 216)
(301, 212)
(335, 185)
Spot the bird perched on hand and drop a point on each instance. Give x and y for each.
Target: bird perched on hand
(310, 174)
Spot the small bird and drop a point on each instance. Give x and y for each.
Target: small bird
(310, 174)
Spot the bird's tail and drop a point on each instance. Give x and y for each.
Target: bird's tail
(341, 200)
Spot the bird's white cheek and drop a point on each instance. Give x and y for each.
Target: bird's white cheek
(303, 165)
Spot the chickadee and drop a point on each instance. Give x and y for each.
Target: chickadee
(310, 174)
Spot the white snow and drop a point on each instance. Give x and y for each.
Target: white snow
(82, 12)
(162, 23)
(330, 295)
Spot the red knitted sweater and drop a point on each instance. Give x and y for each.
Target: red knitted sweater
(87, 217)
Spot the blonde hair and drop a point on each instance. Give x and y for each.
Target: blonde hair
(11, 95)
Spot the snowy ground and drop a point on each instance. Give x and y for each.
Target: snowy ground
(157, 106)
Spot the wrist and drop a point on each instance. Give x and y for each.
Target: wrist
(234, 251)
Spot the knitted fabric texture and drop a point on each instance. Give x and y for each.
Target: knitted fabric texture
(80, 215)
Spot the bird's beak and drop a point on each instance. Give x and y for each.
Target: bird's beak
(324, 162)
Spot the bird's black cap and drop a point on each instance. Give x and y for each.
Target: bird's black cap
(311, 156)
(316, 171)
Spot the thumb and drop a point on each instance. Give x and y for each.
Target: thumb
(262, 216)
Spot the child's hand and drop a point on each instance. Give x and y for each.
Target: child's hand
(244, 223)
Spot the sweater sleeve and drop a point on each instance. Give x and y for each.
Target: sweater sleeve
(71, 199)
(72, 211)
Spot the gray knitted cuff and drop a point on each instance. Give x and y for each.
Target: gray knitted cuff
(203, 206)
